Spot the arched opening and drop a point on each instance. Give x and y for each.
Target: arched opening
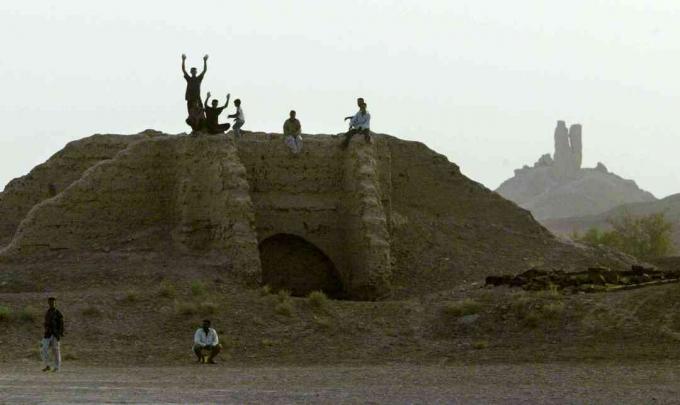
(292, 263)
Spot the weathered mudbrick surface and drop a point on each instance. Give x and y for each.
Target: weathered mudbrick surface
(361, 223)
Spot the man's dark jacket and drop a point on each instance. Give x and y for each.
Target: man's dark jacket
(54, 323)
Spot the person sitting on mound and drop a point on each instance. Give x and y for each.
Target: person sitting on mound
(292, 131)
(196, 119)
(206, 343)
(212, 114)
(360, 123)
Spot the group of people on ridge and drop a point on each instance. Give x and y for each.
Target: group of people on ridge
(204, 117)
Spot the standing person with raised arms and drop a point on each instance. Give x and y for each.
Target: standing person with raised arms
(193, 91)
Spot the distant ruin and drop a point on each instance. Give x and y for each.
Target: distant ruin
(568, 149)
(558, 187)
(568, 155)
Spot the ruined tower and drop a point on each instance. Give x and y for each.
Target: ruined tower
(568, 149)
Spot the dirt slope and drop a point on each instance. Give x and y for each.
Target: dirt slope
(393, 217)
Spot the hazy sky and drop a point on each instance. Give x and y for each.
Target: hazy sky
(482, 82)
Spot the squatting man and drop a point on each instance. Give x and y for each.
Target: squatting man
(206, 343)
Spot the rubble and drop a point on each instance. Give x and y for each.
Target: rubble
(594, 279)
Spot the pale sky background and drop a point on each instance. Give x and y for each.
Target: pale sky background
(482, 82)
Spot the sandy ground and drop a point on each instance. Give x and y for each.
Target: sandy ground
(491, 383)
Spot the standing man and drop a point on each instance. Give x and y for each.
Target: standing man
(54, 330)
(292, 131)
(239, 118)
(359, 124)
(193, 92)
(206, 340)
(212, 116)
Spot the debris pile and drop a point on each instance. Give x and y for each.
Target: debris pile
(595, 279)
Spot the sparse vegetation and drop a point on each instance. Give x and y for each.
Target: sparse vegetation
(553, 310)
(317, 299)
(130, 296)
(27, 314)
(644, 237)
(265, 290)
(197, 288)
(322, 323)
(70, 357)
(284, 308)
(207, 308)
(487, 296)
(267, 342)
(283, 295)
(167, 290)
(186, 308)
(91, 311)
(537, 309)
(5, 313)
(284, 305)
(480, 344)
(461, 308)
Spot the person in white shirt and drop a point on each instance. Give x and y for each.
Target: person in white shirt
(360, 123)
(206, 343)
(239, 118)
(360, 101)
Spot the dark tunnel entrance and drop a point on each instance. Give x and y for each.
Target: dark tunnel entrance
(290, 262)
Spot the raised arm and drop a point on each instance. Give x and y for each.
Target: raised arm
(227, 103)
(207, 97)
(205, 65)
(184, 69)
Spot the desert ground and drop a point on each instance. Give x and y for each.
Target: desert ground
(530, 383)
(129, 328)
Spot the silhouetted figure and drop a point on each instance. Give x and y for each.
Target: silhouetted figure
(193, 92)
(292, 131)
(239, 118)
(212, 116)
(196, 119)
(206, 343)
(54, 330)
(360, 123)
